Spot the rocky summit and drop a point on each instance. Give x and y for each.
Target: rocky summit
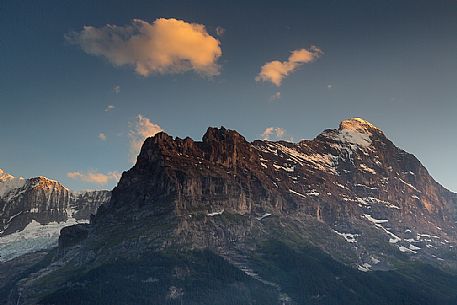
(345, 218)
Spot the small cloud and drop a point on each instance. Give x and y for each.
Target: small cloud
(102, 136)
(275, 96)
(276, 133)
(109, 108)
(220, 31)
(117, 89)
(275, 71)
(329, 86)
(94, 177)
(165, 46)
(141, 129)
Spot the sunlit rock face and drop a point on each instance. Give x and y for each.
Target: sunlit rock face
(352, 181)
(357, 124)
(34, 210)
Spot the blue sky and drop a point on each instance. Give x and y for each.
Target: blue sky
(393, 63)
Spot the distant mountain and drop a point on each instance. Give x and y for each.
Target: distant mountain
(34, 210)
(346, 218)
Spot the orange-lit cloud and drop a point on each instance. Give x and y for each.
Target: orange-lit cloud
(95, 177)
(163, 46)
(275, 133)
(141, 129)
(275, 71)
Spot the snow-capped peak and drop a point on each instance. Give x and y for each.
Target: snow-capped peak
(357, 124)
(355, 131)
(9, 183)
(5, 176)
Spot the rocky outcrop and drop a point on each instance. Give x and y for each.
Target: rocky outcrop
(72, 235)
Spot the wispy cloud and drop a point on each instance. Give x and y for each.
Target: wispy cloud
(109, 108)
(102, 136)
(116, 89)
(94, 177)
(275, 71)
(220, 31)
(276, 133)
(163, 46)
(141, 129)
(275, 96)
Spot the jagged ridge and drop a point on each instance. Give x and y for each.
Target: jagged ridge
(353, 180)
(34, 210)
(350, 193)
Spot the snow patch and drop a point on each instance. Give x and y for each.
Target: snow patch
(322, 162)
(263, 216)
(311, 193)
(374, 220)
(378, 223)
(413, 247)
(409, 185)
(405, 250)
(350, 238)
(375, 261)
(216, 213)
(372, 200)
(363, 267)
(284, 168)
(367, 169)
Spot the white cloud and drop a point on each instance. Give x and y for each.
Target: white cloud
(116, 89)
(94, 177)
(276, 133)
(220, 31)
(102, 136)
(163, 46)
(109, 108)
(141, 129)
(275, 96)
(275, 71)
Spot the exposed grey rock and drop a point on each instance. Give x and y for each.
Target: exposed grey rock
(45, 200)
(349, 192)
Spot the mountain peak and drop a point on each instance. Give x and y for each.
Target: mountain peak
(44, 180)
(4, 175)
(357, 124)
(354, 131)
(9, 182)
(221, 134)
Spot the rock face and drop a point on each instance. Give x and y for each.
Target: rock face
(35, 209)
(72, 235)
(352, 180)
(347, 204)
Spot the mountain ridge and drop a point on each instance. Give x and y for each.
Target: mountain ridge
(349, 199)
(35, 209)
(350, 152)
